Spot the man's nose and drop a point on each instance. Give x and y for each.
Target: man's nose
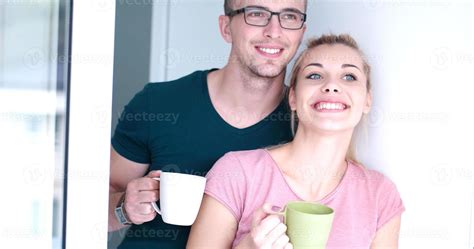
(273, 28)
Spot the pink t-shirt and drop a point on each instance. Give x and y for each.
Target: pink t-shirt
(363, 201)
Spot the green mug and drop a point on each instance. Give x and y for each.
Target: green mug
(308, 224)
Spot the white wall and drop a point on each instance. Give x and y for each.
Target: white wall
(421, 55)
(422, 58)
(186, 38)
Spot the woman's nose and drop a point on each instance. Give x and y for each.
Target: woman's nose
(331, 87)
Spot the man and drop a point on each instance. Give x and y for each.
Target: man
(238, 107)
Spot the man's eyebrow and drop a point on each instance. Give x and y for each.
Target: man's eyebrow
(314, 64)
(292, 9)
(257, 6)
(265, 8)
(350, 65)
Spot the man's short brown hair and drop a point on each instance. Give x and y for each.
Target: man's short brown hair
(228, 5)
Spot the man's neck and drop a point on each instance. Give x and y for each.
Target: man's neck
(243, 99)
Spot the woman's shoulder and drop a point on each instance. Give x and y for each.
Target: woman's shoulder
(360, 174)
(247, 159)
(248, 162)
(248, 155)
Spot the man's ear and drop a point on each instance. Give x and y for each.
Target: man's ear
(292, 99)
(368, 103)
(224, 28)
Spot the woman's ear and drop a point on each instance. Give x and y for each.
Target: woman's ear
(224, 28)
(292, 99)
(368, 103)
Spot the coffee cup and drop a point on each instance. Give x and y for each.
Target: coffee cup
(180, 197)
(308, 224)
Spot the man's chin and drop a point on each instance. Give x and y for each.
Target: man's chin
(268, 71)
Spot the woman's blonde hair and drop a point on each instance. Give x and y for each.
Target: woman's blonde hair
(331, 39)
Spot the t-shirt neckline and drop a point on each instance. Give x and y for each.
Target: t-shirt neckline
(222, 122)
(325, 199)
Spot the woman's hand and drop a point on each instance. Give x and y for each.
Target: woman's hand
(267, 231)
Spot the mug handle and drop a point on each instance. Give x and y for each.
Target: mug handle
(153, 204)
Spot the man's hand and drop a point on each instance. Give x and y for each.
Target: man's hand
(139, 194)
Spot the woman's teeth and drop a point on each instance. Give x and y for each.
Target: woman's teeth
(330, 106)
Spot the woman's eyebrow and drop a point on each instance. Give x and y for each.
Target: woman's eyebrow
(342, 66)
(350, 65)
(314, 64)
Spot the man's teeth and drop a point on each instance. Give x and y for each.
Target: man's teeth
(270, 50)
(330, 106)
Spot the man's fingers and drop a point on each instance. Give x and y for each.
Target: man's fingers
(144, 183)
(154, 173)
(138, 218)
(147, 196)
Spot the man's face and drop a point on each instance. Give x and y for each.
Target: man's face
(265, 51)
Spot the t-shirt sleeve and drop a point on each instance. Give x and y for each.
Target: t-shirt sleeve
(130, 138)
(226, 182)
(390, 204)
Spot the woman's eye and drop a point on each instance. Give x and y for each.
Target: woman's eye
(314, 76)
(349, 77)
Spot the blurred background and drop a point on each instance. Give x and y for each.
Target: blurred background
(420, 127)
(33, 79)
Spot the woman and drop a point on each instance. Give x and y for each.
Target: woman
(329, 94)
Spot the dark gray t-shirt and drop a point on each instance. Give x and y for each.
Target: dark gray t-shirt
(174, 127)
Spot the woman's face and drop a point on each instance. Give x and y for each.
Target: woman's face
(331, 90)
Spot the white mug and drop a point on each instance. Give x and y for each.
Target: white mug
(180, 197)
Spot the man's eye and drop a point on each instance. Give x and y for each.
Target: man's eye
(290, 16)
(256, 14)
(314, 76)
(349, 77)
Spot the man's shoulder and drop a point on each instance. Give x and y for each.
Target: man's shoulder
(181, 85)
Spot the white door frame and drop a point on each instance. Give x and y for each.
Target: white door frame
(92, 48)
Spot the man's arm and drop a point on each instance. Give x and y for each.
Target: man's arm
(124, 172)
(387, 236)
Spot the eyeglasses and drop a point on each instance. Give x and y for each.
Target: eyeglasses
(260, 17)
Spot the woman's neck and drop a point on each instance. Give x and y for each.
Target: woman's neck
(314, 161)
